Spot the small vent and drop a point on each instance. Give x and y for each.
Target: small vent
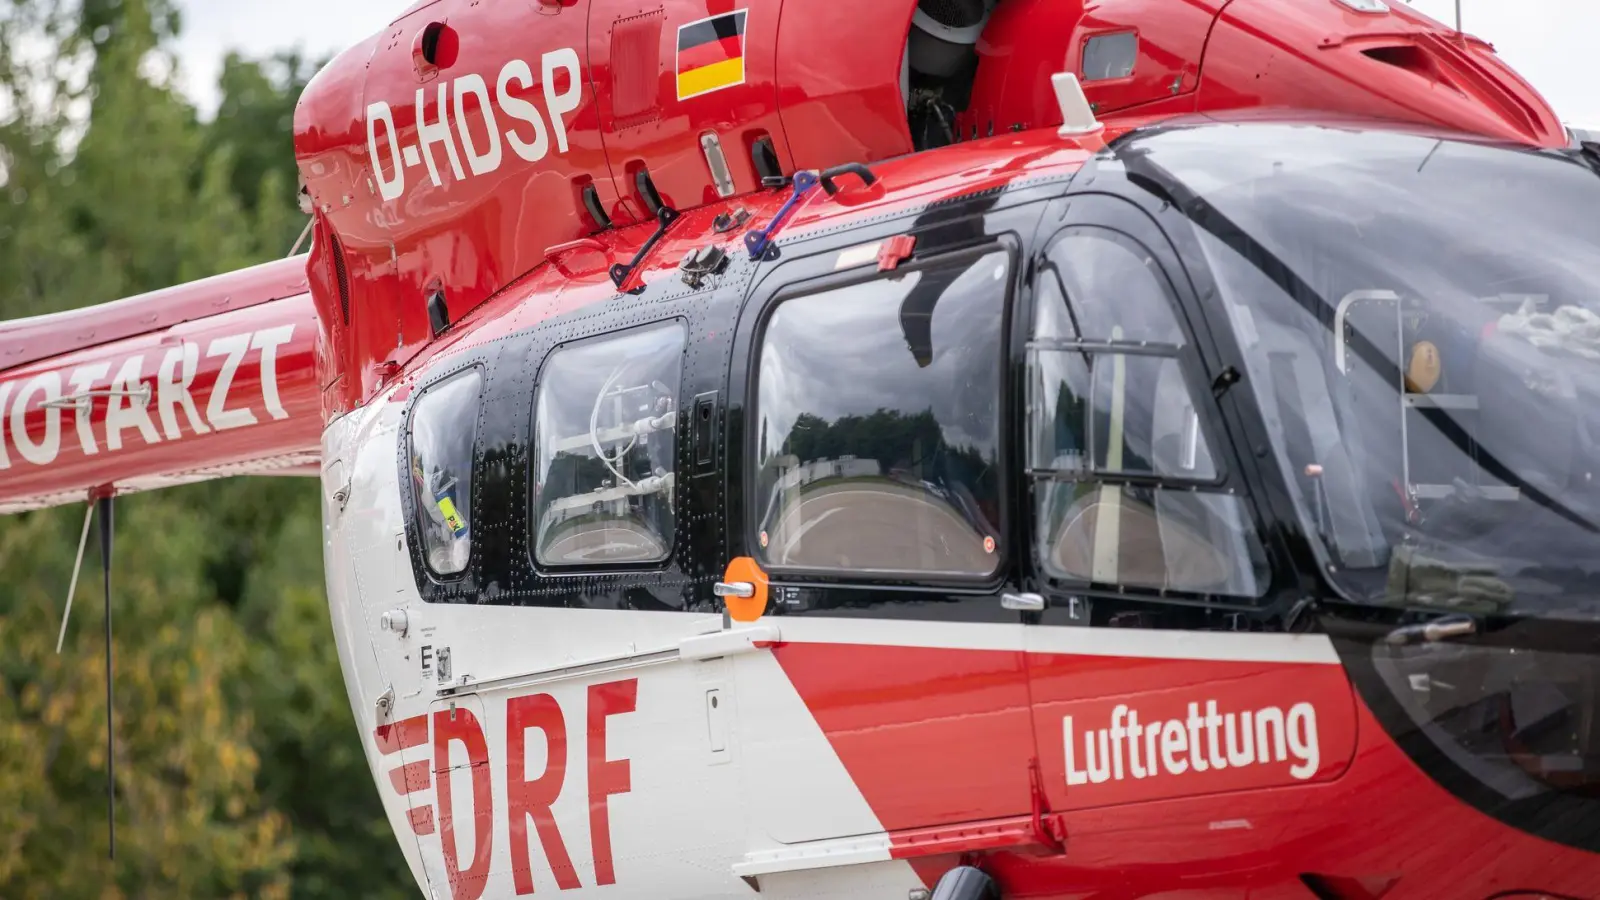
(341, 276)
(636, 69)
(1409, 57)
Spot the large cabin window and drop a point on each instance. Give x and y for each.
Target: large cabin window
(878, 424)
(606, 427)
(444, 428)
(1126, 483)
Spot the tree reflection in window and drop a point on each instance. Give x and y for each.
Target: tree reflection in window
(879, 408)
(606, 425)
(444, 427)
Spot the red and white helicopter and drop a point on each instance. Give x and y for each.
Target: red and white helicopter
(956, 448)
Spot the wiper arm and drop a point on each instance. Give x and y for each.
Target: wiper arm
(1439, 629)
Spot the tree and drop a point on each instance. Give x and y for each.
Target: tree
(189, 820)
(239, 770)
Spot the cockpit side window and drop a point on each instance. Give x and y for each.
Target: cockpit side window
(444, 429)
(1127, 484)
(877, 424)
(606, 435)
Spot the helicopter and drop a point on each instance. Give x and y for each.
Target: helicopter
(943, 449)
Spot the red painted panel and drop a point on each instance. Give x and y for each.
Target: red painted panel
(1402, 66)
(930, 736)
(455, 177)
(839, 68)
(1381, 825)
(228, 394)
(1385, 827)
(402, 735)
(1115, 730)
(23, 341)
(633, 53)
(1027, 41)
(413, 776)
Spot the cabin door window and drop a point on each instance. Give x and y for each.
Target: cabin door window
(606, 439)
(1119, 452)
(444, 428)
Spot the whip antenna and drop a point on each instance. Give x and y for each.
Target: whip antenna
(111, 759)
(77, 566)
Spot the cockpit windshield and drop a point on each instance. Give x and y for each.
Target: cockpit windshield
(1420, 322)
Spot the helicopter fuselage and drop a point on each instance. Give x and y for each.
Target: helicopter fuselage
(583, 706)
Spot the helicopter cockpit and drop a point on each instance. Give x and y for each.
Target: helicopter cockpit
(1419, 324)
(1421, 319)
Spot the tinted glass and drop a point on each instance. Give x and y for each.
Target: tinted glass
(1421, 323)
(878, 423)
(1142, 537)
(444, 427)
(1114, 413)
(1110, 56)
(607, 435)
(1116, 289)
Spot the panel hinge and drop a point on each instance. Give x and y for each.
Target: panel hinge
(1049, 829)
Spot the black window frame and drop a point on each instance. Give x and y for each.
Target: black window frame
(1124, 221)
(412, 504)
(1005, 554)
(680, 487)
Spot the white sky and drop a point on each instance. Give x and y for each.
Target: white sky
(1548, 41)
(258, 27)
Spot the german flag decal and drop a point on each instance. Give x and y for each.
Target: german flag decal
(711, 54)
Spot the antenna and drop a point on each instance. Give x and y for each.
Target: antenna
(77, 566)
(1077, 116)
(103, 502)
(111, 758)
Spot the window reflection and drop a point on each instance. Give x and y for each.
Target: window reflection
(444, 427)
(1100, 411)
(1429, 380)
(878, 411)
(606, 426)
(1115, 413)
(1114, 285)
(1147, 537)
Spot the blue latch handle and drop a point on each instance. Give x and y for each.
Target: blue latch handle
(758, 240)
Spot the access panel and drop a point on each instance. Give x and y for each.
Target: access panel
(685, 89)
(1126, 53)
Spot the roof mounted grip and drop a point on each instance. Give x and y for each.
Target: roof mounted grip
(622, 273)
(759, 241)
(555, 254)
(856, 169)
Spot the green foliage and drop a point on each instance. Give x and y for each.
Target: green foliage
(239, 769)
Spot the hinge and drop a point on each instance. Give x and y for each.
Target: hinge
(1049, 829)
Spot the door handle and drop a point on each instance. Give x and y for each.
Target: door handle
(1022, 602)
(1433, 632)
(734, 589)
